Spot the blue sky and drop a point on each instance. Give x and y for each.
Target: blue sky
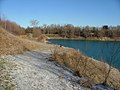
(76, 12)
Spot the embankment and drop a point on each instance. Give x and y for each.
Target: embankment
(84, 66)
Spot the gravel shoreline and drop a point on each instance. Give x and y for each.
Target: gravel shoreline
(34, 71)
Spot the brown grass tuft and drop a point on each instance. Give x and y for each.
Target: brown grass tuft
(42, 38)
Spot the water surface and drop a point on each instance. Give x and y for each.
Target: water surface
(109, 51)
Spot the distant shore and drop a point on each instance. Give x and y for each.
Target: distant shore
(90, 38)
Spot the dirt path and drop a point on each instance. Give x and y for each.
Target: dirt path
(34, 71)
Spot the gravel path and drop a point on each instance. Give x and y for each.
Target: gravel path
(34, 71)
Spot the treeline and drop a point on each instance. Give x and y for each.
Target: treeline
(65, 31)
(12, 27)
(70, 31)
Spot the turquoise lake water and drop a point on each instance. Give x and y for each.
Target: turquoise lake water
(109, 51)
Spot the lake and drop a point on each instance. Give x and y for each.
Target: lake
(109, 51)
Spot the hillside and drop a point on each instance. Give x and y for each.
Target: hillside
(10, 44)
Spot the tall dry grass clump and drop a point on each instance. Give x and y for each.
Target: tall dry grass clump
(84, 66)
(42, 38)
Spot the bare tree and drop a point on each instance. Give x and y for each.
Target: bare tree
(34, 23)
(115, 50)
(36, 32)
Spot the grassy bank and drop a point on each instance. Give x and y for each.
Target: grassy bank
(84, 66)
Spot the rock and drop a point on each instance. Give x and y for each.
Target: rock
(101, 87)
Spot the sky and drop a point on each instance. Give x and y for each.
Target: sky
(76, 12)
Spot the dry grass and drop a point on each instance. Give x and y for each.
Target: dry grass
(52, 35)
(86, 67)
(10, 44)
(42, 38)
